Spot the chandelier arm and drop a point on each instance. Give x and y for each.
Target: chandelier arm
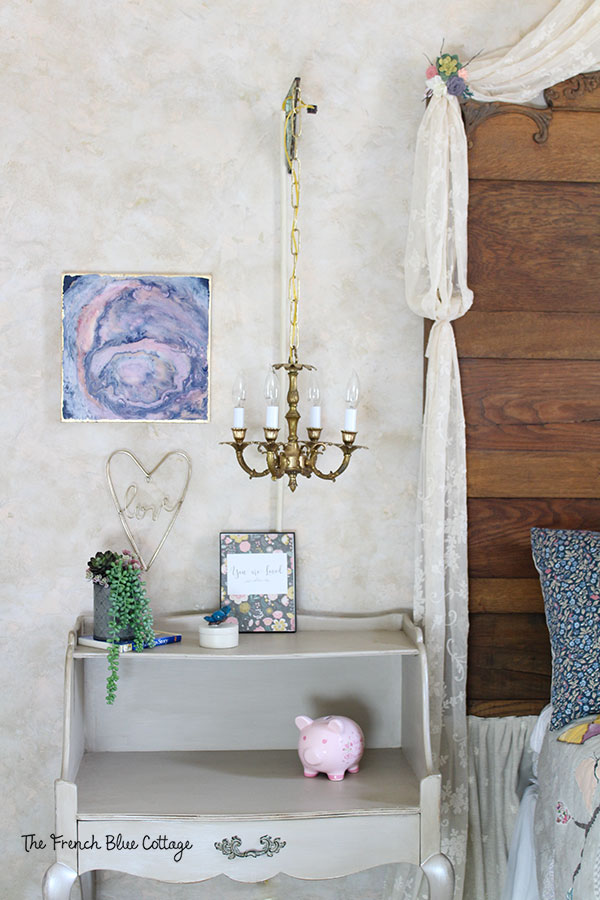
(275, 462)
(239, 452)
(331, 476)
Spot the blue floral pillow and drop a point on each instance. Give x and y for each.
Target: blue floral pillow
(569, 566)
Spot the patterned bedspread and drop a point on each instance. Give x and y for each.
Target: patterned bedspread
(567, 818)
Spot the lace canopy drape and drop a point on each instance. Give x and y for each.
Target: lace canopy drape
(564, 44)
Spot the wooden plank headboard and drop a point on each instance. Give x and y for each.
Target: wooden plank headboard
(529, 353)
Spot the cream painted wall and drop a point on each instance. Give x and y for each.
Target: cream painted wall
(143, 137)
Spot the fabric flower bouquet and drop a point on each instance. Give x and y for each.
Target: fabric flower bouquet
(447, 76)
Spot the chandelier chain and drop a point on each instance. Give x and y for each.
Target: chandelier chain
(294, 116)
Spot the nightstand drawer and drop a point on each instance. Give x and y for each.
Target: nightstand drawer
(182, 850)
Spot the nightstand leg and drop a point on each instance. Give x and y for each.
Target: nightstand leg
(440, 876)
(57, 882)
(87, 882)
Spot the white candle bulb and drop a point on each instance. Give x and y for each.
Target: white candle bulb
(314, 398)
(352, 398)
(238, 393)
(272, 398)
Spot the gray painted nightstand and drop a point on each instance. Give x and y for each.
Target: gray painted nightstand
(194, 773)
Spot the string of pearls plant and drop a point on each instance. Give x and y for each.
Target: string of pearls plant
(129, 607)
(293, 456)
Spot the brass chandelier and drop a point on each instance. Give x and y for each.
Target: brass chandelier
(293, 456)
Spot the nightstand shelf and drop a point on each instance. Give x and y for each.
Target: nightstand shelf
(277, 646)
(193, 772)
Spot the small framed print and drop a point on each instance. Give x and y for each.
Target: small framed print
(258, 580)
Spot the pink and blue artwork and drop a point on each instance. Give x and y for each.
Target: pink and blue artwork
(136, 348)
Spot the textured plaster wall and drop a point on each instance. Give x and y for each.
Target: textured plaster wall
(143, 137)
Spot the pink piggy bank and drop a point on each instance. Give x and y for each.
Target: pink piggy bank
(332, 744)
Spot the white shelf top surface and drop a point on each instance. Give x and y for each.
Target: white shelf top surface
(284, 646)
(236, 785)
(344, 640)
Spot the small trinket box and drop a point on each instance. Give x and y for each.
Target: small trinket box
(220, 637)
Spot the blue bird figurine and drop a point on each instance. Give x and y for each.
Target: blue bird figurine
(218, 616)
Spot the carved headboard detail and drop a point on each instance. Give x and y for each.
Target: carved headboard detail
(574, 93)
(475, 113)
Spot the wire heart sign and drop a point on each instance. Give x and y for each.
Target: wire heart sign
(148, 502)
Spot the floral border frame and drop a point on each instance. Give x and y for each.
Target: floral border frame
(261, 613)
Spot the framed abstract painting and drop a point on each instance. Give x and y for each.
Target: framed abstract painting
(258, 580)
(136, 348)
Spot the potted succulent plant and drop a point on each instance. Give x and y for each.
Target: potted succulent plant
(121, 608)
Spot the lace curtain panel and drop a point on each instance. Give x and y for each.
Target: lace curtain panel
(564, 44)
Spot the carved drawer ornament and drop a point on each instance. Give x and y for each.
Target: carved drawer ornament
(231, 847)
